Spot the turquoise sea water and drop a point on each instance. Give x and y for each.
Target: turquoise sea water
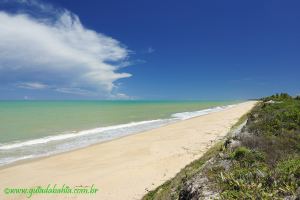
(37, 128)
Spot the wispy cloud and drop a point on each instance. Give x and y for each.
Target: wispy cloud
(32, 85)
(150, 50)
(55, 51)
(121, 96)
(77, 91)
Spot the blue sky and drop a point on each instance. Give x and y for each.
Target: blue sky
(138, 49)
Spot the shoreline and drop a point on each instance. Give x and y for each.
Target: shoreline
(124, 167)
(176, 120)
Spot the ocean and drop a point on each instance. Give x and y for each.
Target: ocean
(30, 129)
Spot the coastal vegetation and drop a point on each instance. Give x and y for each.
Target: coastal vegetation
(260, 161)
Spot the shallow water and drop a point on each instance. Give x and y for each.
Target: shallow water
(31, 129)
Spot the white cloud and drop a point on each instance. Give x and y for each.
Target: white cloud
(32, 85)
(150, 50)
(121, 96)
(59, 53)
(76, 91)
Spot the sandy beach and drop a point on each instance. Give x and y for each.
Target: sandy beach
(128, 167)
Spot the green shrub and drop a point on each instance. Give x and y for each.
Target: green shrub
(267, 165)
(289, 168)
(277, 97)
(274, 118)
(247, 157)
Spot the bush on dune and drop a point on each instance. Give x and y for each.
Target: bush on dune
(267, 165)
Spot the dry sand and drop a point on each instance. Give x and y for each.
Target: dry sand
(125, 168)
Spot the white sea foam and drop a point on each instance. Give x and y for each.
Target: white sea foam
(72, 135)
(188, 115)
(9, 160)
(50, 145)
